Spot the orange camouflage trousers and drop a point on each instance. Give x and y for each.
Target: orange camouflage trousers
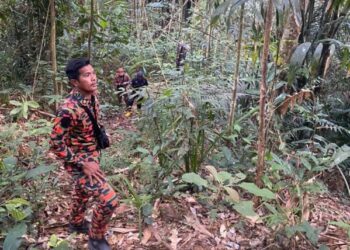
(102, 193)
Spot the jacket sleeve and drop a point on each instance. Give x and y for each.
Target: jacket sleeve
(58, 143)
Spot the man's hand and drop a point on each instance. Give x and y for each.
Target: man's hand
(92, 171)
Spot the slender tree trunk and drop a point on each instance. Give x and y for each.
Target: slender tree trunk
(290, 38)
(262, 136)
(91, 27)
(53, 46)
(236, 76)
(208, 48)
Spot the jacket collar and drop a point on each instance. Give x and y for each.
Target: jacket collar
(75, 93)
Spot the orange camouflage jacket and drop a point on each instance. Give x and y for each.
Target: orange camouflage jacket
(72, 136)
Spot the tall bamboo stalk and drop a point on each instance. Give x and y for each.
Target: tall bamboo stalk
(236, 75)
(91, 27)
(53, 46)
(262, 136)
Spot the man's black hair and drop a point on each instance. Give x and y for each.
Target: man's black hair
(73, 66)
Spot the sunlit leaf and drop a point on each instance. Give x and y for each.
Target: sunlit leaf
(16, 111)
(233, 194)
(15, 103)
(245, 208)
(25, 110)
(252, 188)
(33, 104)
(341, 155)
(194, 179)
(142, 150)
(17, 202)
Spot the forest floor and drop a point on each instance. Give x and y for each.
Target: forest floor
(182, 222)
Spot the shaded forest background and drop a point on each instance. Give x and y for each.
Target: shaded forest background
(256, 123)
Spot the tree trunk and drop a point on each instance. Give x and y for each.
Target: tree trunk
(290, 38)
(91, 27)
(53, 47)
(236, 76)
(262, 136)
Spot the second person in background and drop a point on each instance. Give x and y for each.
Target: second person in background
(121, 82)
(137, 83)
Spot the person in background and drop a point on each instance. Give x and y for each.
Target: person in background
(181, 52)
(137, 83)
(73, 141)
(121, 82)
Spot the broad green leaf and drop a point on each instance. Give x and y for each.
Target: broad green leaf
(103, 24)
(299, 54)
(245, 208)
(233, 194)
(224, 7)
(142, 150)
(237, 128)
(18, 202)
(13, 238)
(238, 177)
(220, 10)
(33, 104)
(10, 162)
(53, 242)
(155, 150)
(306, 163)
(224, 177)
(252, 188)
(15, 103)
(15, 111)
(311, 232)
(38, 171)
(341, 155)
(271, 208)
(62, 245)
(195, 179)
(17, 214)
(147, 209)
(304, 227)
(25, 110)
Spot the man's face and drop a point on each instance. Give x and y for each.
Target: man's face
(87, 81)
(120, 72)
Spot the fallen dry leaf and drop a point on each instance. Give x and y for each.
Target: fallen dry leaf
(174, 239)
(193, 222)
(122, 209)
(147, 234)
(123, 230)
(191, 199)
(223, 231)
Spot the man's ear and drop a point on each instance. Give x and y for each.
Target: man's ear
(74, 82)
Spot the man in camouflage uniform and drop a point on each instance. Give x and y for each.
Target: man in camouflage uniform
(73, 141)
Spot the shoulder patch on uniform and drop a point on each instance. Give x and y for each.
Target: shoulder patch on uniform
(65, 122)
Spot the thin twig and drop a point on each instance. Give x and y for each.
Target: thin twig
(41, 49)
(346, 182)
(45, 113)
(154, 48)
(335, 238)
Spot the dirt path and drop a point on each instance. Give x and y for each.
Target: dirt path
(182, 222)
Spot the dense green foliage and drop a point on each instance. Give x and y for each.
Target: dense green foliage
(182, 129)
